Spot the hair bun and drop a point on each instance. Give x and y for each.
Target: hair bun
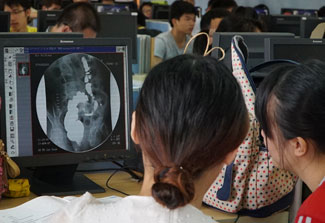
(174, 187)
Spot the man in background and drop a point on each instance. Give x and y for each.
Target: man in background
(172, 43)
(225, 4)
(51, 5)
(20, 11)
(78, 17)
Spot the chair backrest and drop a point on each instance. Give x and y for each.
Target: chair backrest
(318, 32)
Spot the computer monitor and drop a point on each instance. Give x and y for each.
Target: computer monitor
(294, 11)
(254, 42)
(64, 102)
(46, 19)
(26, 35)
(298, 50)
(160, 11)
(4, 21)
(308, 24)
(120, 25)
(111, 8)
(284, 23)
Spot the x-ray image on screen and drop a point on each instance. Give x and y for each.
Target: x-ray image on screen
(73, 102)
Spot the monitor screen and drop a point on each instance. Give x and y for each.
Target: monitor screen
(308, 24)
(4, 21)
(254, 42)
(65, 101)
(126, 28)
(298, 50)
(111, 8)
(47, 19)
(293, 11)
(284, 23)
(160, 11)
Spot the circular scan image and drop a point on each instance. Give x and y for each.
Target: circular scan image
(78, 102)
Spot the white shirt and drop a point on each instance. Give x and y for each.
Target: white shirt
(131, 209)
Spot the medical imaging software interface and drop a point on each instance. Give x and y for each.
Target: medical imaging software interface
(65, 99)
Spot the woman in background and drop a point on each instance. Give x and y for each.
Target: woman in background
(188, 123)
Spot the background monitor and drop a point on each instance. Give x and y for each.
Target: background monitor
(308, 24)
(254, 42)
(65, 101)
(46, 19)
(120, 25)
(160, 11)
(284, 23)
(111, 8)
(298, 50)
(4, 21)
(304, 12)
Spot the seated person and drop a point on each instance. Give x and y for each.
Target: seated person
(321, 12)
(225, 4)
(20, 11)
(235, 23)
(186, 129)
(211, 19)
(51, 5)
(146, 9)
(172, 43)
(290, 108)
(78, 17)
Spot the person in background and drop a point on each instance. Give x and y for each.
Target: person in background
(146, 9)
(211, 19)
(226, 4)
(80, 1)
(172, 43)
(20, 11)
(108, 2)
(186, 129)
(78, 17)
(51, 4)
(290, 107)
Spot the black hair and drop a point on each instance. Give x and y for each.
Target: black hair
(222, 4)
(48, 3)
(79, 16)
(290, 103)
(144, 4)
(264, 7)
(321, 12)
(212, 14)
(245, 12)
(235, 23)
(179, 8)
(190, 115)
(26, 4)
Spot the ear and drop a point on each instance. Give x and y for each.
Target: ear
(174, 21)
(230, 157)
(299, 146)
(27, 13)
(133, 133)
(66, 29)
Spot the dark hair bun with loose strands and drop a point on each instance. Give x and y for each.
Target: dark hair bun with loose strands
(174, 187)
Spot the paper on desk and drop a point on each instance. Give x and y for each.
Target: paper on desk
(40, 209)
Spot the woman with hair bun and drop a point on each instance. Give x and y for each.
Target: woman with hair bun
(189, 121)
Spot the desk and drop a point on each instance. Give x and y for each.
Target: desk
(122, 181)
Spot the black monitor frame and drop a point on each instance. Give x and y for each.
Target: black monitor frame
(254, 42)
(160, 11)
(284, 23)
(271, 44)
(47, 18)
(308, 24)
(4, 21)
(60, 171)
(120, 25)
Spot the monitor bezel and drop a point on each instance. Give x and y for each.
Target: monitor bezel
(270, 43)
(73, 158)
(303, 24)
(7, 14)
(42, 16)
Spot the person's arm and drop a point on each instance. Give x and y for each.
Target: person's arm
(155, 60)
(159, 51)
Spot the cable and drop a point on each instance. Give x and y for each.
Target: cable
(237, 218)
(109, 187)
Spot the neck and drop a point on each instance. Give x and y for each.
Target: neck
(312, 173)
(179, 37)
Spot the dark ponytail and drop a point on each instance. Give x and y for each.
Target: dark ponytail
(174, 187)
